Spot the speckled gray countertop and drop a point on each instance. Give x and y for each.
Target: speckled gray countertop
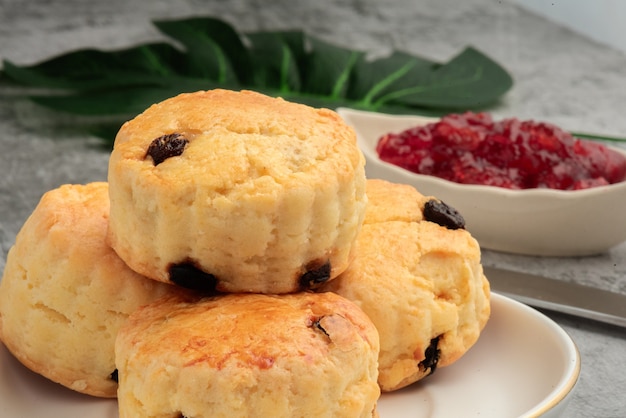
(560, 77)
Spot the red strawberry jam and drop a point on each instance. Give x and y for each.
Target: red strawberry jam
(471, 148)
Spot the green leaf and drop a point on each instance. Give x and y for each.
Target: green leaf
(327, 69)
(92, 69)
(276, 57)
(372, 80)
(206, 53)
(126, 102)
(214, 49)
(469, 81)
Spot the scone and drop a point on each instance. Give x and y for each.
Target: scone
(236, 192)
(248, 355)
(418, 275)
(64, 293)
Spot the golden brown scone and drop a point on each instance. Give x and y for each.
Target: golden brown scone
(248, 355)
(65, 293)
(421, 283)
(252, 193)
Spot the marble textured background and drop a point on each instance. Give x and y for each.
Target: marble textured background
(560, 77)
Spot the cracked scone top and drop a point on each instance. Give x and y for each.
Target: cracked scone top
(248, 355)
(237, 192)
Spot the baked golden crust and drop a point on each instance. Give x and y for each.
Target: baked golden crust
(393, 202)
(263, 191)
(296, 355)
(65, 293)
(422, 285)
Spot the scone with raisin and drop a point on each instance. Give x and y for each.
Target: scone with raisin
(418, 275)
(237, 192)
(65, 293)
(248, 355)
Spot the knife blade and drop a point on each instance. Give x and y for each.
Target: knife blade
(558, 295)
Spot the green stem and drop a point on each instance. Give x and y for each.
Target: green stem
(598, 137)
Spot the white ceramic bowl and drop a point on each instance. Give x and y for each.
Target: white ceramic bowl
(541, 222)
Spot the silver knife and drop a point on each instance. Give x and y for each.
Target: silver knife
(558, 295)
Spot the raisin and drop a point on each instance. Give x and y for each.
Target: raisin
(316, 324)
(432, 355)
(166, 146)
(188, 275)
(440, 213)
(316, 274)
(113, 376)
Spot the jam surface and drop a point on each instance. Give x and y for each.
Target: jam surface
(472, 148)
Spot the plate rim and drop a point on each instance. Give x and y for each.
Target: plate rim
(568, 381)
(552, 402)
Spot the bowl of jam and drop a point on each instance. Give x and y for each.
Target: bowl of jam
(523, 187)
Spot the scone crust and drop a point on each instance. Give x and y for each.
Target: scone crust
(65, 293)
(264, 191)
(421, 284)
(297, 355)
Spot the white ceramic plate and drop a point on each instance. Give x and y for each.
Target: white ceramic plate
(534, 221)
(524, 365)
